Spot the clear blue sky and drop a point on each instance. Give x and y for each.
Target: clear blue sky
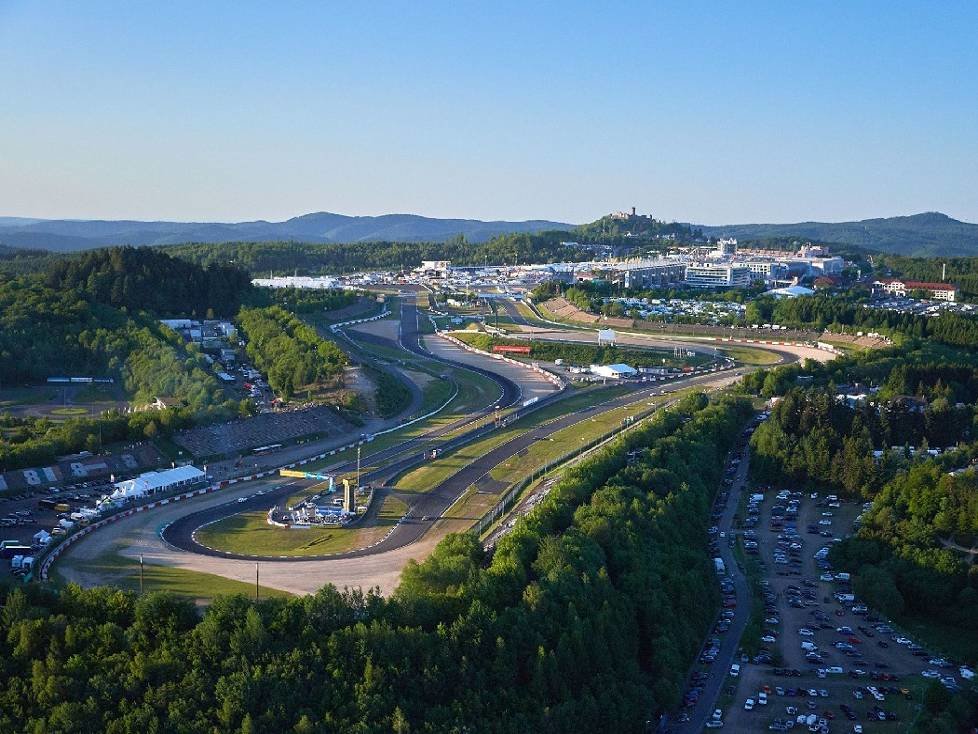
(714, 112)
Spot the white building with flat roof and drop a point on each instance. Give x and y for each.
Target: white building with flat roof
(613, 371)
(297, 281)
(709, 275)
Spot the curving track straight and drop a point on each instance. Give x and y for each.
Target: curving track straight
(429, 506)
(410, 339)
(427, 509)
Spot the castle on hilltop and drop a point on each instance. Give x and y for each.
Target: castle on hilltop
(627, 216)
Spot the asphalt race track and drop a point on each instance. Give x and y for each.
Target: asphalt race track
(410, 338)
(430, 505)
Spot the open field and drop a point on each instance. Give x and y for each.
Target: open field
(750, 355)
(250, 533)
(123, 572)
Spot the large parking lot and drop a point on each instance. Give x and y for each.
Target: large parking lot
(23, 516)
(826, 663)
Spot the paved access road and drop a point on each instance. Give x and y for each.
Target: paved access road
(730, 641)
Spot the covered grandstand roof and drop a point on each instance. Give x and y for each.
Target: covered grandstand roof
(154, 481)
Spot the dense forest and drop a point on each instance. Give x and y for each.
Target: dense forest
(585, 618)
(86, 321)
(618, 230)
(130, 278)
(899, 553)
(260, 258)
(20, 261)
(814, 436)
(290, 352)
(834, 311)
(304, 300)
(96, 314)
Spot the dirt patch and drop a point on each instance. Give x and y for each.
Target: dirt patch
(386, 328)
(421, 379)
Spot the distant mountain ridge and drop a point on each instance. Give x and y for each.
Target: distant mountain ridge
(930, 234)
(67, 235)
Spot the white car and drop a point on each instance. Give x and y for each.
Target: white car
(931, 674)
(242, 499)
(762, 698)
(735, 670)
(749, 704)
(769, 639)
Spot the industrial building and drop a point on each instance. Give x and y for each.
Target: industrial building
(649, 273)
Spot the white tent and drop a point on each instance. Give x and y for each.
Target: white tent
(156, 481)
(606, 336)
(614, 371)
(43, 537)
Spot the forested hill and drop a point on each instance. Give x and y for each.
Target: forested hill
(921, 235)
(64, 235)
(147, 280)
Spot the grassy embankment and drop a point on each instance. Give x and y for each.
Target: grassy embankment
(750, 355)
(474, 503)
(122, 572)
(430, 475)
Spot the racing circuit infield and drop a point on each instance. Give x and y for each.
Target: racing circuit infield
(430, 505)
(378, 565)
